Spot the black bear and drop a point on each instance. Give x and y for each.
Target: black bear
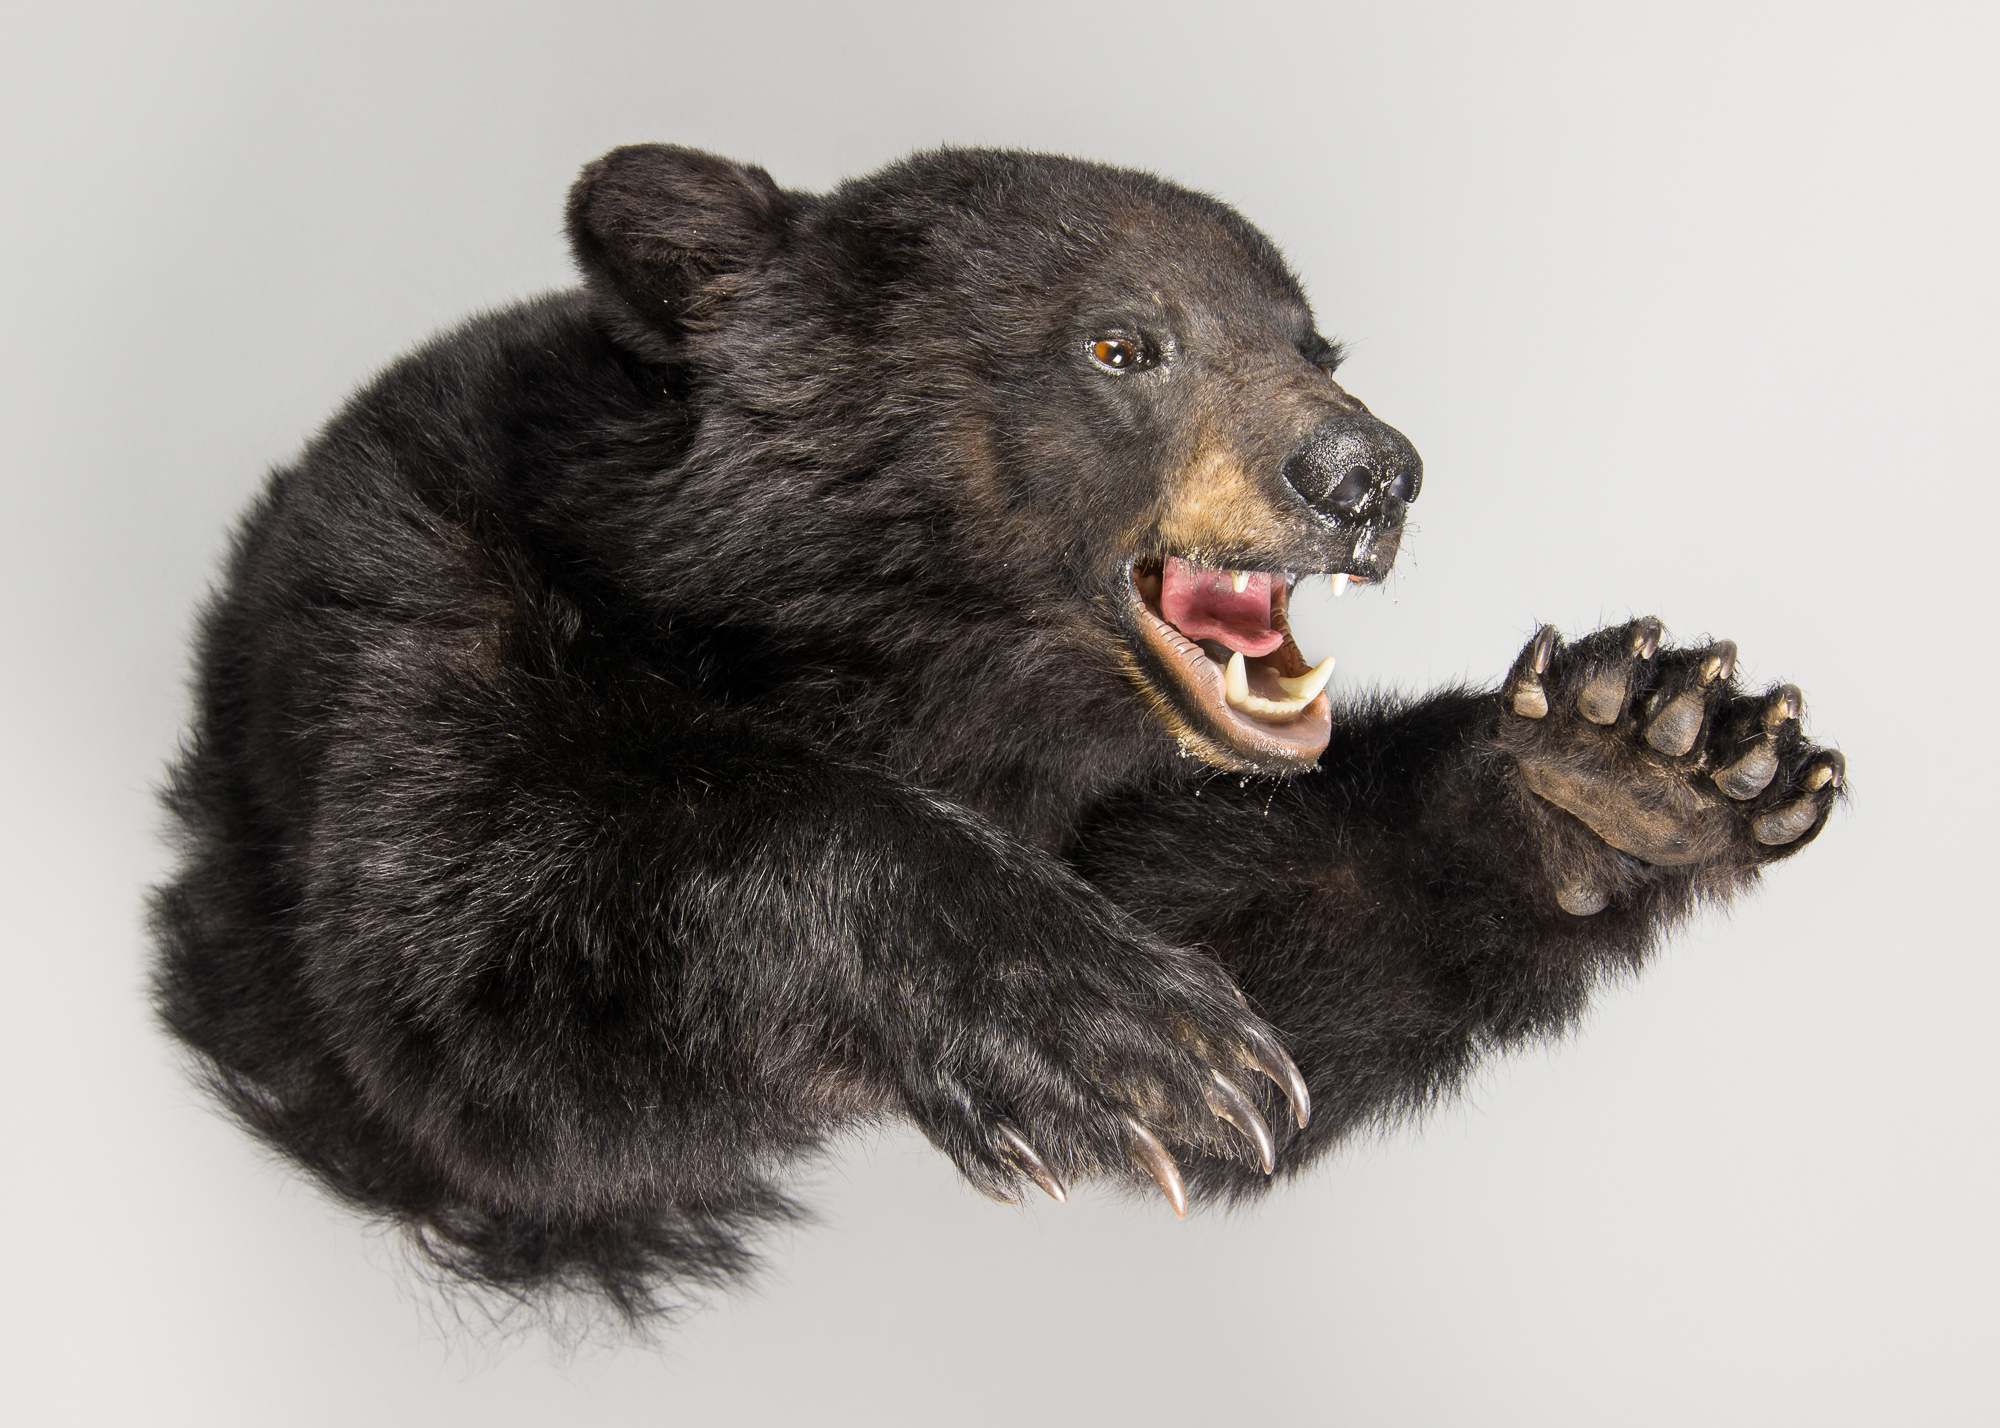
(782, 683)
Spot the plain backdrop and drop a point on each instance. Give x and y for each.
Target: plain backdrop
(1690, 309)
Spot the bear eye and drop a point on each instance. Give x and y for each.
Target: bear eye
(1119, 354)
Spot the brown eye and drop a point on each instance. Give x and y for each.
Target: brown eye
(1116, 353)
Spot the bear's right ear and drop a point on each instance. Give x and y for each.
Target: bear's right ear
(665, 234)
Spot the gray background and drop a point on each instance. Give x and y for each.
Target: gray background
(1690, 309)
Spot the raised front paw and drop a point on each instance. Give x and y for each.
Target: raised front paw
(1099, 1068)
(1661, 755)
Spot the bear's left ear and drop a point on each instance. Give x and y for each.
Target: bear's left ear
(665, 234)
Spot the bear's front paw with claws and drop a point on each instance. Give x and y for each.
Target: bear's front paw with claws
(1083, 1077)
(1660, 754)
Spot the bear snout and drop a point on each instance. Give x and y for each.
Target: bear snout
(1352, 467)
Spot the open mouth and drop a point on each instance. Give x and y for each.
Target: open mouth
(1216, 643)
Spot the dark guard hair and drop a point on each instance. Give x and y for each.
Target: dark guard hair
(774, 686)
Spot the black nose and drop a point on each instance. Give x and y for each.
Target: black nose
(1352, 463)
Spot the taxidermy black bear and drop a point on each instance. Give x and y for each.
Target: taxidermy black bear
(781, 684)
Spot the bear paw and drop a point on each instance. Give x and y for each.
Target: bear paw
(1098, 1086)
(1662, 756)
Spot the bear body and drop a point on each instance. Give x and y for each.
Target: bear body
(781, 684)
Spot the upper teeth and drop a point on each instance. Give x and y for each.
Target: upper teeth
(1303, 689)
(1240, 579)
(1339, 585)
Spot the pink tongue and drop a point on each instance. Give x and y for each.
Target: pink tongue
(1204, 604)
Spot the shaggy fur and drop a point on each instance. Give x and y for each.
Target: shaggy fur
(662, 723)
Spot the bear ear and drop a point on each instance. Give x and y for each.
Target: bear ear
(664, 236)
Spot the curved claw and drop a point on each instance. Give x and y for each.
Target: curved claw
(1525, 694)
(1150, 1156)
(1227, 1100)
(1273, 1062)
(1544, 648)
(1719, 662)
(1831, 768)
(1646, 637)
(1037, 1169)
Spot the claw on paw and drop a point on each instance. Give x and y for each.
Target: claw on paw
(1525, 694)
(1284, 1072)
(1228, 1101)
(1150, 1156)
(1544, 648)
(1831, 769)
(1036, 1168)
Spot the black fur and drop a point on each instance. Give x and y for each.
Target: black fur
(659, 724)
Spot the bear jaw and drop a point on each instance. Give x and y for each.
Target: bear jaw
(1276, 721)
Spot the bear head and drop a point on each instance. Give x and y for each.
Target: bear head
(1073, 402)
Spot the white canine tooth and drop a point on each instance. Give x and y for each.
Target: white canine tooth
(1304, 689)
(1237, 678)
(1308, 685)
(1339, 585)
(1240, 579)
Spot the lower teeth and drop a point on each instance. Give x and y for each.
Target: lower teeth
(1301, 690)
